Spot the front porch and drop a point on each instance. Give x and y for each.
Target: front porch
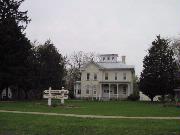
(114, 90)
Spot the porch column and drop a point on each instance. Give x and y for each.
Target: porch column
(100, 92)
(117, 91)
(128, 89)
(74, 89)
(96, 88)
(109, 92)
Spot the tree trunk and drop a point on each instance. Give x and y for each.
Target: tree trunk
(18, 95)
(163, 98)
(151, 99)
(26, 94)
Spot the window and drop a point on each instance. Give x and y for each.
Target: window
(88, 76)
(124, 89)
(106, 91)
(124, 76)
(115, 91)
(106, 76)
(95, 76)
(94, 89)
(103, 58)
(108, 58)
(115, 76)
(79, 91)
(87, 91)
(94, 92)
(112, 58)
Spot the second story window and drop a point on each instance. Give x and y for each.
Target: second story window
(88, 76)
(115, 76)
(124, 76)
(106, 76)
(95, 76)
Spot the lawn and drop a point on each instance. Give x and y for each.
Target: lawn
(27, 124)
(123, 108)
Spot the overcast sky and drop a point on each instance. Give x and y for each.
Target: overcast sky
(125, 27)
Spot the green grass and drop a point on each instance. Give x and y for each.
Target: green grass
(26, 124)
(124, 108)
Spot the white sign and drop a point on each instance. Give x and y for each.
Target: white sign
(56, 94)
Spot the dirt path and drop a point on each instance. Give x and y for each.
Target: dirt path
(90, 116)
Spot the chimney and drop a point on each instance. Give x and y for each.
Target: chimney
(123, 59)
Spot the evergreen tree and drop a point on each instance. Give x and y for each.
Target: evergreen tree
(51, 66)
(14, 46)
(157, 77)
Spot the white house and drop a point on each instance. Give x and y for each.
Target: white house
(106, 79)
(6, 91)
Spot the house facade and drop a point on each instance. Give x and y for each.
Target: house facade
(106, 79)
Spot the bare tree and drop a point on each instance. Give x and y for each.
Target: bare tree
(78, 59)
(176, 49)
(74, 64)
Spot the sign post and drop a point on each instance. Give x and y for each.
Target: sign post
(49, 98)
(56, 94)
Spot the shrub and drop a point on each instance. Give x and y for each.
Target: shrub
(133, 97)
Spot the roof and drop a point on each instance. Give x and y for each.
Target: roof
(115, 65)
(109, 65)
